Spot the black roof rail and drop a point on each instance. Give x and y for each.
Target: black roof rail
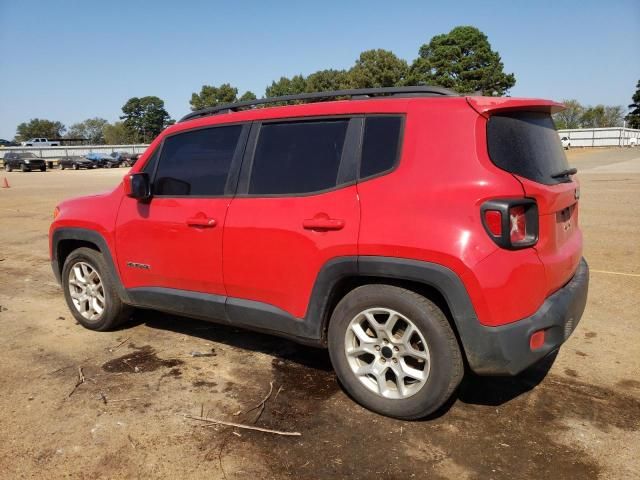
(357, 93)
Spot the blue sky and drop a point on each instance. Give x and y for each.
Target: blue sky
(71, 60)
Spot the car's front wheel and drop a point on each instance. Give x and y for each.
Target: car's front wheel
(76, 166)
(394, 351)
(24, 168)
(7, 167)
(90, 291)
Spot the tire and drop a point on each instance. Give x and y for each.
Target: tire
(76, 166)
(61, 166)
(103, 291)
(43, 169)
(24, 168)
(8, 168)
(433, 339)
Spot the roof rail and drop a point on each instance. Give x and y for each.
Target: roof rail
(358, 93)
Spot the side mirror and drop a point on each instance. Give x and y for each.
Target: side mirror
(137, 185)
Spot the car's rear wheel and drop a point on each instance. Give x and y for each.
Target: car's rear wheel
(394, 351)
(90, 291)
(24, 168)
(7, 167)
(76, 166)
(62, 166)
(43, 169)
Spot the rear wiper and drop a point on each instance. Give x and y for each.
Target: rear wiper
(565, 173)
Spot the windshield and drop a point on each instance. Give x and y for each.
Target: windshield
(527, 144)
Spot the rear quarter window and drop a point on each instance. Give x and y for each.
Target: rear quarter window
(526, 144)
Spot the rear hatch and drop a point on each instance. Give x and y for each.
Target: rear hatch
(524, 142)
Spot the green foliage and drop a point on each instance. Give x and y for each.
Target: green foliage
(287, 86)
(571, 117)
(463, 61)
(327, 80)
(145, 117)
(602, 116)
(248, 95)
(91, 130)
(37, 127)
(210, 96)
(378, 68)
(117, 134)
(634, 115)
(578, 116)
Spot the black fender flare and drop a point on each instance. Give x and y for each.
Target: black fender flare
(91, 236)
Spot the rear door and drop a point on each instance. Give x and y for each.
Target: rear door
(175, 240)
(526, 144)
(296, 209)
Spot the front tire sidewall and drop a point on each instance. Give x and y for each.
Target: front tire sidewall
(445, 368)
(112, 305)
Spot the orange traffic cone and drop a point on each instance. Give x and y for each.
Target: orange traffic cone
(5, 183)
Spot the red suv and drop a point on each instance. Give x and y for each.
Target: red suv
(409, 230)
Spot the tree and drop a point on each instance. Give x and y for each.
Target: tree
(571, 116)
(248, 95)
(91, 130)
(145, 117)
(463, 61)
(118, 134)
(634, 115)
(378, 68)
(327, 80)
(37, 127)
(287, 86)
(602, 116)
(210, 96)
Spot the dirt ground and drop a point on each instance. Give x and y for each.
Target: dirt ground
(577, 417)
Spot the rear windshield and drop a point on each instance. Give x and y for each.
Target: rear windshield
(526, 144)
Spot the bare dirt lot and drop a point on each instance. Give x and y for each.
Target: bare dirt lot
(577, 417)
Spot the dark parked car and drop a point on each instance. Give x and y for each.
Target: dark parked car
(76, 162)
(103, 160)
(7, 143)
(126, 159)
(24, 161)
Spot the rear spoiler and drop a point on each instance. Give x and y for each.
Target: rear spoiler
(485, 106)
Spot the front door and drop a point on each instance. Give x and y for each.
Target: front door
(174, 241)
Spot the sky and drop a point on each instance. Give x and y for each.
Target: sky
(73, 60)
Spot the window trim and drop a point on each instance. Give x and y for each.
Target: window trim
(234, 166)
(399, 150)
(347, 169)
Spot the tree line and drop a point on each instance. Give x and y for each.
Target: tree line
(461, 60)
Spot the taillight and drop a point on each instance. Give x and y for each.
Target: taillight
(511, 223)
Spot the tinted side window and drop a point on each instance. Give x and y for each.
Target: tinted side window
(151, 163)
(196, 162)
(380, 145)
(297, 157)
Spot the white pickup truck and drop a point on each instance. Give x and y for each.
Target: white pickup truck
(40, 142)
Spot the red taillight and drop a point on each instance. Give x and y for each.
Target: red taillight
(512, 223)
(517, 224)
(537, 340)
(493, 221)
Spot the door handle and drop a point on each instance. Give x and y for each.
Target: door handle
(323, 224)
(201, 221)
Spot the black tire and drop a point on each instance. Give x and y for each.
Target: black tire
(7, 167)
(24, 168)
(43, 169)
(446, 365)
(76, 166)
(61, 166)
(115, 312)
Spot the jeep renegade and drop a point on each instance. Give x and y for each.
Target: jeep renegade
(355, 223)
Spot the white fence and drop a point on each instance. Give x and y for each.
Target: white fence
(601, 137)
(59, 152)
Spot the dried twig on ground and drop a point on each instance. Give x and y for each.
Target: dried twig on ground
(262, 404)
(79, 382)
(113, 349)
(214, 421)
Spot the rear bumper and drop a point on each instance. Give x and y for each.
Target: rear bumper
(505, 350)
